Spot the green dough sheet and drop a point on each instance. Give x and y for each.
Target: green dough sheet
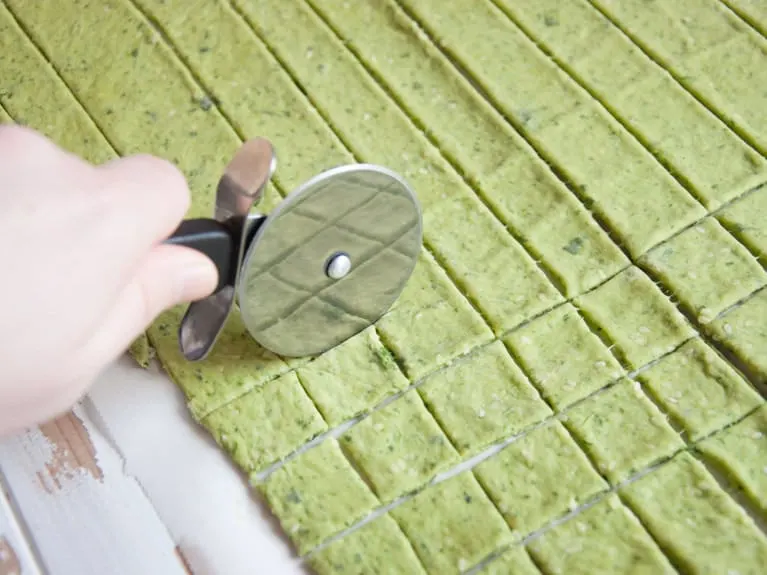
(573, 379)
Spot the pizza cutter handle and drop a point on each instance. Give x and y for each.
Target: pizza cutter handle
(212, 238)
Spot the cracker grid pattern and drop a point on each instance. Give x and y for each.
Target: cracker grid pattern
(329, 129)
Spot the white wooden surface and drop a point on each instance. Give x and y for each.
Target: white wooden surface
(16, 554)
(129, 484)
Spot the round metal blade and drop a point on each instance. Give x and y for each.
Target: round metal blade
(330, 260)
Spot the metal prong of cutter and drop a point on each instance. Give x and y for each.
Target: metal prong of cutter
(239, 189)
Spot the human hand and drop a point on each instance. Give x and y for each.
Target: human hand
(84, 270)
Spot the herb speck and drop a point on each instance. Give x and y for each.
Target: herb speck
(574, 245)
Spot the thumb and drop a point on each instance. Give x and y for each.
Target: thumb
(168, 276)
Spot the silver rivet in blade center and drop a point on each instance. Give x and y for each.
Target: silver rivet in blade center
(338, 266)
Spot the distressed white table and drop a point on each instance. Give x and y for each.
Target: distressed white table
(128, 484)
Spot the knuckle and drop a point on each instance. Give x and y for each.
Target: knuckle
(165, 178)
(176, 184)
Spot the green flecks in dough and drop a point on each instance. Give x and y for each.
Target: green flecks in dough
(706, 268)
(141, 351)
(505, 285)
(352, 378)
(622, 431)
(541, 210)
(622, 182)
(134, 88)
(317, 495)
(252, 88)
(563, 358)
(740, 452)
(744, 219)
(699, 390)
(574, 246)
(539, 478)
(452, 525)
(482, 398)
(501, 278)
(235, 365)
(712, 53)
(399, 448)
(710, 158)
(514, 561)
(698, 526)
(604, 539)
(35, 97)
(377, 548)
(743, 331)
(266, 424)
(431, 323)
(631, 312)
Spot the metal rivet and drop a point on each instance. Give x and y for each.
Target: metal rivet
(338, 266)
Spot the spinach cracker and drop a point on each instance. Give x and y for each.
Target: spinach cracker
(633, 314)
(452, 525)
(377, 548)
(740, 452)
(266, 424)
(564, 359)
(316, 495)
(694, 521)
(699, 390)
(482, 398)
(587, 543)
(622, 431)
(399, 448)
(539, 478)
(352, 378)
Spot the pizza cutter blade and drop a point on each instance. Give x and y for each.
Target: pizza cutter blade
(325, 264)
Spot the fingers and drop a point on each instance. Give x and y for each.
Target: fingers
(21, 147)
(144, 199)
(21, 144)
(140, 199)
(150, 194)
(168, 276)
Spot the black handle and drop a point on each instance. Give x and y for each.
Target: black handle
(213, 239)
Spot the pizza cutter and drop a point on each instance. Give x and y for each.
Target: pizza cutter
(325, 264)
